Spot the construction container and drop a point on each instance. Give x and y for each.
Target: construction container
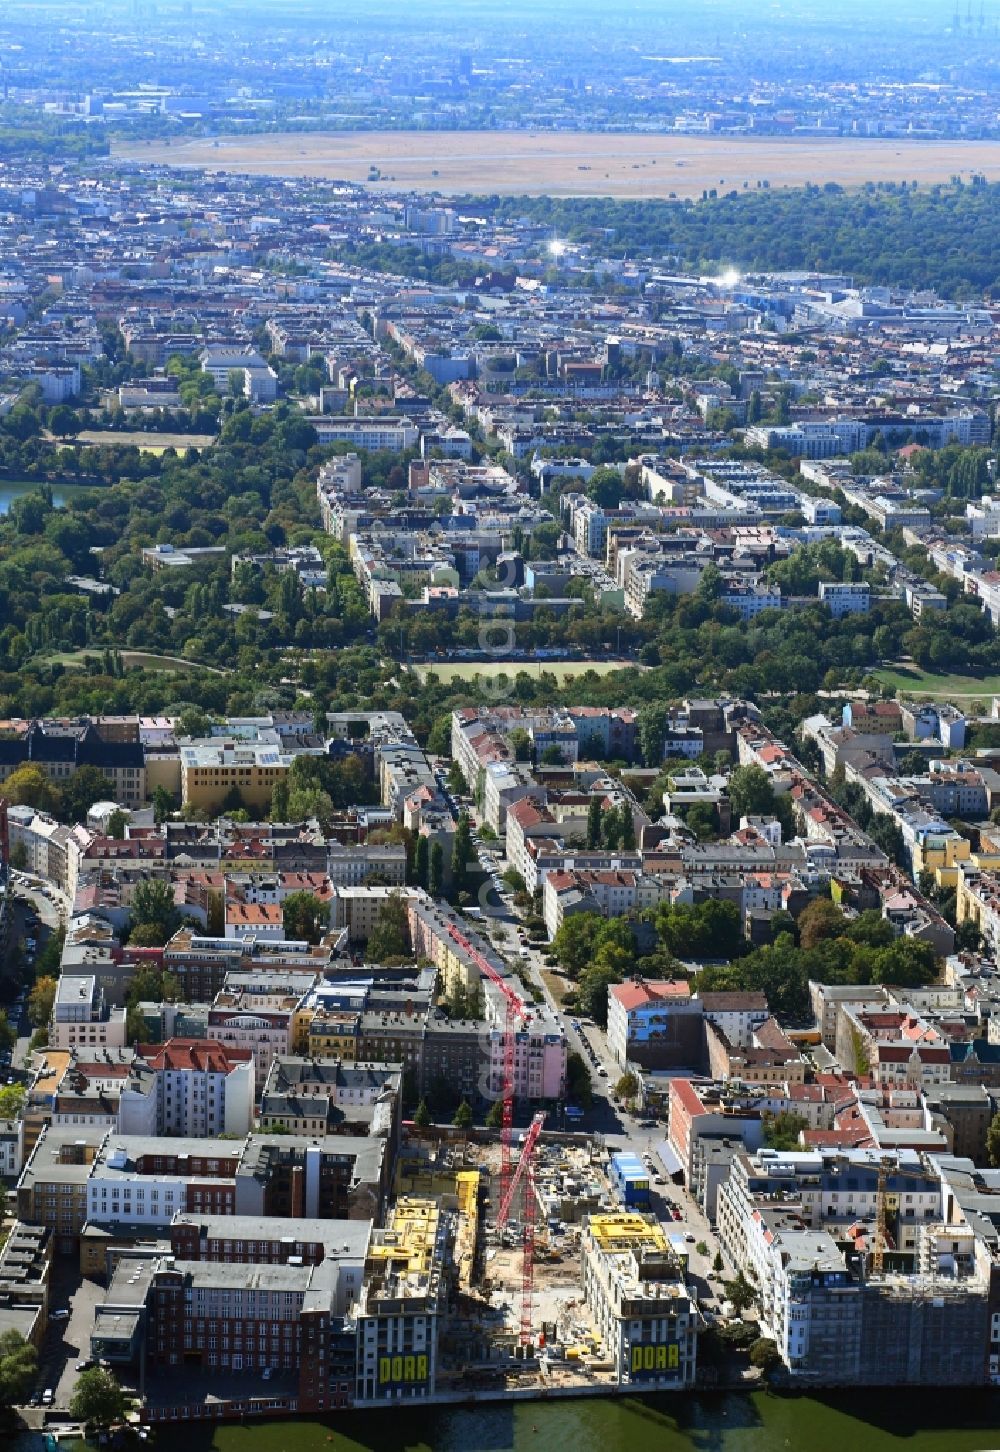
(630, 1179)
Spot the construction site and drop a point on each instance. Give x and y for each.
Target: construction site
(517, 1314)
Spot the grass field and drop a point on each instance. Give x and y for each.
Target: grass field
(571, 163)
(564, 670)
(131, 660)
(910, 680)
(149, 443)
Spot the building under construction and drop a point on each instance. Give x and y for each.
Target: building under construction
(863, 1271)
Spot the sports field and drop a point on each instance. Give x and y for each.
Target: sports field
(910, 680)
(148, 443)
(564, 670)
(572, 163)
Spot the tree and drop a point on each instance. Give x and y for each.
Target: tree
(594, 808)
(993, 1141)
(422, 1116)
(64, 421)
(98, 1400)
(40, 1001)
(968, 938)
(494, 1119)
(435, 870)
(710, 929)
(627, 1086)
(460, 853)
(146, 935)
(215, 913)
(280, 794)
(552, 756)
(28, 786)
(463, 1116)
(153, 906)
(12, 1097)
(192, 722)
(163, 804)
(87, 785)
(307, 802)
(751, 793)
(820, 919)
(740, 1292)
(390, 936)
(520, 744)
(593, 993)
(304, 917)
(782, 1130)
(421, 861)
(888, 835)
(579, 1085)
(18, 1368)
(117, 822)
(136, 1028)
(575, 940)
(764, 1353)
(652, 724)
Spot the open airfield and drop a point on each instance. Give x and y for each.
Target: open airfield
(573, 163)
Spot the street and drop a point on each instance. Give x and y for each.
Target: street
(36, 913)
(619, 1130)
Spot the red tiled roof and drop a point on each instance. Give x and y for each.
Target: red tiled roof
(637, 993)
(204, 1056)
(687, 1095)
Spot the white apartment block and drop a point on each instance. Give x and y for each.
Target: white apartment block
(80, 1018)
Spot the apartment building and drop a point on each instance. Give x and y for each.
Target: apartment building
(404, 1295)
(213, 770)
(81, 1017)
(256, 1016)
(202, 1088)
(321, 1096)
(655, 1023)
(802, 1227)
(52, 1188)
(60, 749)
(635, 1288)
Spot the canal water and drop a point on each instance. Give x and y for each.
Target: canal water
(848, 1421)
(12, 489)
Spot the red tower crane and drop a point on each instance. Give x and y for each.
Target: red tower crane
(524, 1177)
(516, 1013)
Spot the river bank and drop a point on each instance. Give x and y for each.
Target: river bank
(870, 1421)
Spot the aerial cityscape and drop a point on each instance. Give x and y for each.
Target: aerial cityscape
(499, 726)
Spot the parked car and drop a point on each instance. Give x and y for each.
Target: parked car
(48, 1397)
(62, 1315)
